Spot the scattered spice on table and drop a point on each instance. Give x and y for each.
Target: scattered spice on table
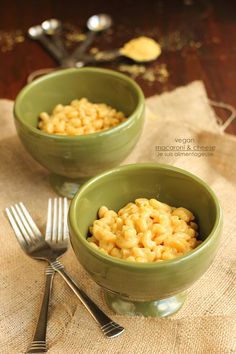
(9, 39)
(94, 50)
(75, 37)
(134, 70)
(72, 34)
(157, 72)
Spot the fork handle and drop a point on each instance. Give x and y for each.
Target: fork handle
(108, 327)
(38, 344)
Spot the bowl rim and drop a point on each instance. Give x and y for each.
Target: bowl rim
(123, 125)
(149, 265)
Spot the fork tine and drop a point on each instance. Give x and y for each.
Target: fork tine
(16, 229)
(31, 221)
(59, 229)
(21, 225)
(65, 225)
(54, 228)
(25, 222)
(48, 232)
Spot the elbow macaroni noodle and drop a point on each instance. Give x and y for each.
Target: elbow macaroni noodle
(81, 117)
(144, 231)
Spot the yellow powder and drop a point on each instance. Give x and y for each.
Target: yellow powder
(141, 49)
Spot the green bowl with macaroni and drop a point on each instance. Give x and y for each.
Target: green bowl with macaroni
(74, 159)
(145, 289)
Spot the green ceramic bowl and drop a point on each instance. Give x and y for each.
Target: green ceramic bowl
(149, 289)
(75, 159)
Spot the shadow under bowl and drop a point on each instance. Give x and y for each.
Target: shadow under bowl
(148, 289)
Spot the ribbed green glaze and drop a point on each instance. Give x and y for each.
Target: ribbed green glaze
(115, 188)
(80, 156)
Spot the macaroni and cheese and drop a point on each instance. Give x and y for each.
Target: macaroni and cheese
(80, 117)
(144, 231)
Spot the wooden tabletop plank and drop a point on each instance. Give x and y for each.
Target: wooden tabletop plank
(198, 40)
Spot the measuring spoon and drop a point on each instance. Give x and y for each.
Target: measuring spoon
(132, 51)
(101, 57)
(37, 33)
(95, 24)
(53, 28)
(107, 56)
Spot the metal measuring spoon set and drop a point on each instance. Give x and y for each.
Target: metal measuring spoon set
(49, 36)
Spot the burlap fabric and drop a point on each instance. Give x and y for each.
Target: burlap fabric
(205, 324)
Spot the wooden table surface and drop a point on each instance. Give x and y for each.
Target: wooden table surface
(198, 41)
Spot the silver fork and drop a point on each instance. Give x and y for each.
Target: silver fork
(32, 242)
(34, 245)
(57, 235)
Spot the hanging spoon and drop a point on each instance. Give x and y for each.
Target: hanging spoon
(95, 24)
(36, 33)
(53, 28)
(139, 50)
(101, 57)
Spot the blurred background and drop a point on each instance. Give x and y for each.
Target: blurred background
(197, 37)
